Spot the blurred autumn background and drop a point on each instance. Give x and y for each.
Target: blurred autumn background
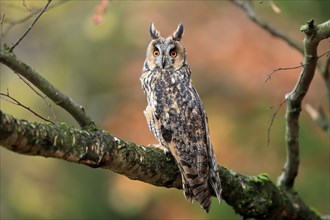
(97, 59)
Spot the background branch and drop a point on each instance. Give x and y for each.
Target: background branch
(18, 66)
(251, 197)
(325, 72)
(30, 27)
(318, 116)
(32, 12)
(247, 7)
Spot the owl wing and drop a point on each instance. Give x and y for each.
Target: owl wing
(186, 134)
(214, 175)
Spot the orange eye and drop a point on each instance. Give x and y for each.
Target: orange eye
(156, 53)
(173, 53)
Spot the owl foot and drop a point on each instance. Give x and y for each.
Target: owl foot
(160, 147)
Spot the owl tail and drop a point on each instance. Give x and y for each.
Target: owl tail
(199, 192)
(214, 175)
(214, 180)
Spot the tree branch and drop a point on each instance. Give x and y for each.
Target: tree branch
(251, 197)
(18, 66)
(313, 35)
(246, 6)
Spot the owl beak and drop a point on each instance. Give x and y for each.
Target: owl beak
(164, 62)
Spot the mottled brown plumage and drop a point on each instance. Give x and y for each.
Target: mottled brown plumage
(176, 116)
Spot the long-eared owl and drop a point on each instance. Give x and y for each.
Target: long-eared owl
(177, 118)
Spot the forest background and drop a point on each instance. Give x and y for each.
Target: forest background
(99, 65)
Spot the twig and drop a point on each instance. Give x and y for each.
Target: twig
(325, 74)
(279, 106)
(269, 75)
(11, 23)
(246, 6)
(14, 101)
(39, 94)
(30, 27)
(26, 6)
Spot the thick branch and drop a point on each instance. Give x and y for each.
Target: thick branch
(252, 197)
(313, 35)
(18, 66)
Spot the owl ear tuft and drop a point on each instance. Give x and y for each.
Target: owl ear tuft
(177, 35)
(154, 34)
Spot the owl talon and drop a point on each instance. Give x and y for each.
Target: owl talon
(160, 147)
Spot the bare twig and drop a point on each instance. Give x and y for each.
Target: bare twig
(278, 107)
(30, 27)
(325, 74)
(12, 22)
(18, 66)
(269, 75)
(14, 101)
(26, 6)
(246, 6)
(39, 94)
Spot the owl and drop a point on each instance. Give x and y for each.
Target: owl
(177, 118)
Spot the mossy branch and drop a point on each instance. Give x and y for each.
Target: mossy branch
(251, 197)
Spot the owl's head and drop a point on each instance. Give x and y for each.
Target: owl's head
(166, 53)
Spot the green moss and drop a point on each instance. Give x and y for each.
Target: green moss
(232, 172)
(261, 178)
(63, 125)
(6, 48)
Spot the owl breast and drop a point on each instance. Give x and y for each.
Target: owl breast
(173, 104)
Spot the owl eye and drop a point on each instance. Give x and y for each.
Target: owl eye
(173, 53)
(156, 53)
